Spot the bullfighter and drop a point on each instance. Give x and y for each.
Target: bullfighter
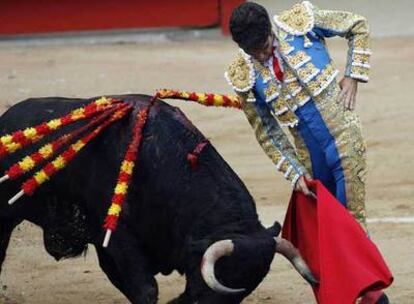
(286, 78)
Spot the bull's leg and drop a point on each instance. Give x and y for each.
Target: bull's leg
(185, 297)
(128, 269)
(6, 229)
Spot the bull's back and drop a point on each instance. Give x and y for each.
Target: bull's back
(34, 111)
(97, 165)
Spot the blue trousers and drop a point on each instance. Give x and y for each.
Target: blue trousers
(325, 159)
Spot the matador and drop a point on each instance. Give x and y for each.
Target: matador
(289, 80)
(286, 79)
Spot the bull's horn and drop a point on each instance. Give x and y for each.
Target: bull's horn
(212, 254)
(289, 251)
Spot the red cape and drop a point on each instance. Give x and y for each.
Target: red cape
(344, 260)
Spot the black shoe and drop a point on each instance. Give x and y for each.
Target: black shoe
(383, 299)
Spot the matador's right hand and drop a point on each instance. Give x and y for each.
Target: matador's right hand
(302, 187)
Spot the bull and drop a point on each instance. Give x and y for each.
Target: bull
(202, 223)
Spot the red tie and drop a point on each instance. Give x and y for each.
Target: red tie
(276, 68)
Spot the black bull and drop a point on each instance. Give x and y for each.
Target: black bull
(174, 218)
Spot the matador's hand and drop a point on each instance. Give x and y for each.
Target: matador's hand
(349, 87)
(302, 187)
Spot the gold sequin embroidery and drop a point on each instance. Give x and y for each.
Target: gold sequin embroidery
(327, 75)
(308, 72)
(360, 58)
(298, 59)
(293, 88)
(285, 47)
(271, 92)
(240, 74)
(298, 20)
(357, 70)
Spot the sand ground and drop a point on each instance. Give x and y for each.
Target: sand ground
(385, 105)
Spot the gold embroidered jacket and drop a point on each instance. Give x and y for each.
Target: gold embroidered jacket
(308, 70)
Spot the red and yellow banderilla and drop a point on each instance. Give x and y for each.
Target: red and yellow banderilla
(206, 99)
(127, 166)
(66, 157)
(10, 143)
(125, 172)
(48, 150)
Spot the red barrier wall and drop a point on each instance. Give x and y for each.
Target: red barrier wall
(226, 7)
(42, 16)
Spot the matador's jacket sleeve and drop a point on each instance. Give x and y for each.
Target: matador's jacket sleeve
(353, 27)
(273, 140)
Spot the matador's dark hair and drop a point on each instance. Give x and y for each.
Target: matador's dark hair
(250, 26)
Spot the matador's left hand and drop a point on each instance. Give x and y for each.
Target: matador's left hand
(349, 87)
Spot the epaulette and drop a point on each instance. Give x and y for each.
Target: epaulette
(240, 74)
(298, 21)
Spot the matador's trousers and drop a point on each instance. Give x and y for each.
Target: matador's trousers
(329, 143)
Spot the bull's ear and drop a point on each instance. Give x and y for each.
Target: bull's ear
(275, 229)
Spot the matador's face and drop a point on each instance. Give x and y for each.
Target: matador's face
(263, 53)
